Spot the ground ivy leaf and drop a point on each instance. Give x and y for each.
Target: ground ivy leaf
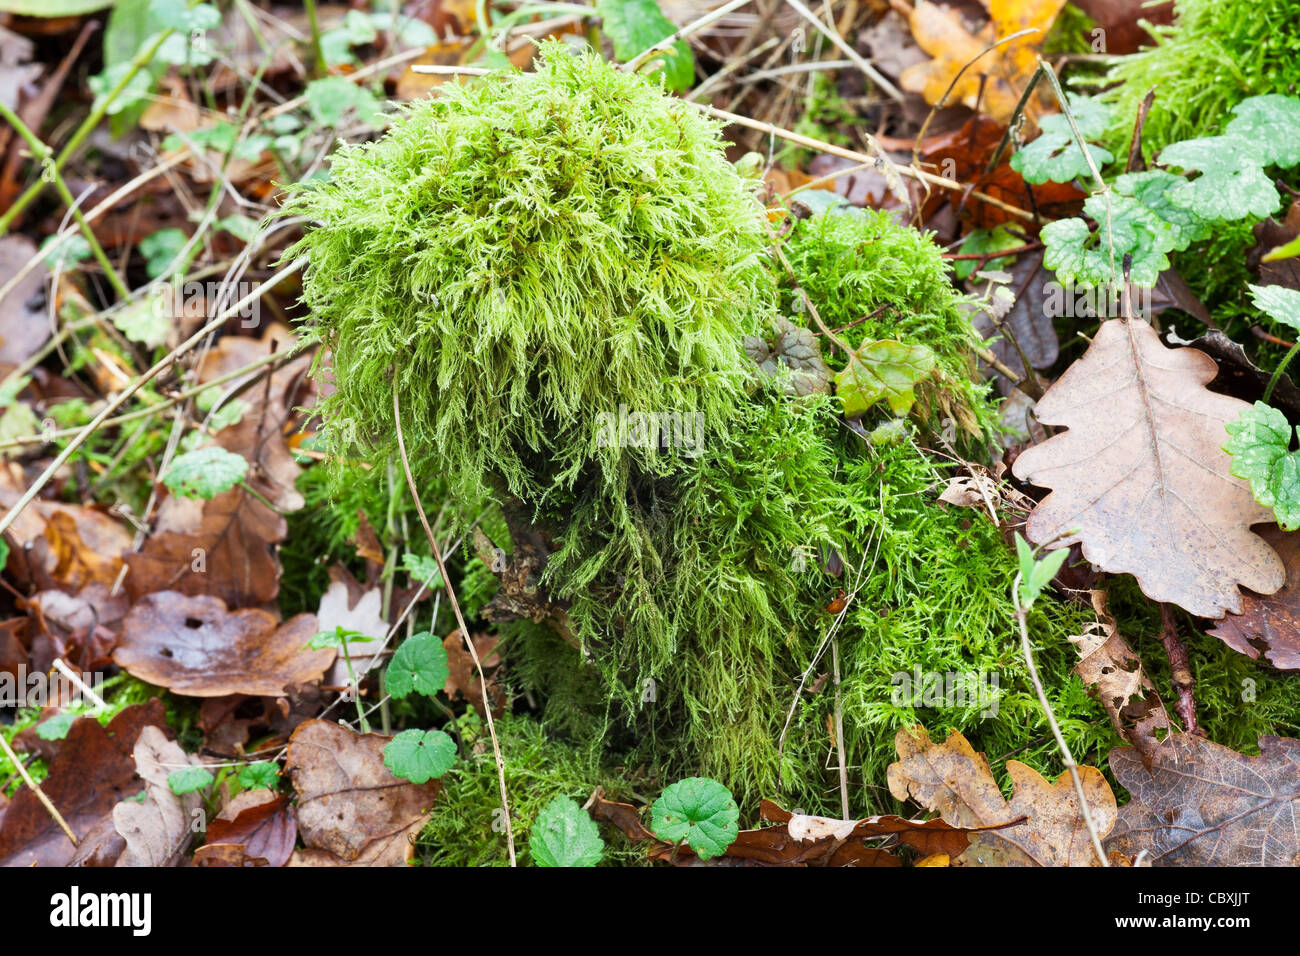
(1083, 256)
(1260, 449)
(1151, 189)
(637, 25)
(565, 835)
(419, 755)
(1278, 302)
(423, 568)
(205, 472)
(884, 369)
(1232, 184)
(189, 779)
(56, 728)
(264, 773)
(1272, 124)
(418, 666)
(1055, 155)
(699, 811)
(160, 249)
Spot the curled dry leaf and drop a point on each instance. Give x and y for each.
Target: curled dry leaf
(258, 827)
(1042, 825)
(1205, 805)
(1107, 663)
(1269, 626)
(1140, 478)
(158, 830)
(195, 647)
(352, 811)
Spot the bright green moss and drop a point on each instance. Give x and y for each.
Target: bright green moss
(527, 254)
(1216, 53)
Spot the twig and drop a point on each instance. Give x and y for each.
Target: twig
(888, 88)
(1066, 755)
(460, 621)
(35, 788)
(839, 730)
(1180, 672)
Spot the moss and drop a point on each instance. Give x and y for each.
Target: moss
(528, 254)
(1216, 53)
(464, 828)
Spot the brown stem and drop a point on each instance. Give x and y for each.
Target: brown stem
(1179, 670)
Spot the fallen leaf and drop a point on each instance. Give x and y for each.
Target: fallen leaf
(1107, 663)
(1141, 480)
(1205, 805)
(158, 830)
(1042, 825)
(463, 675)
(340, 607)
(24, 325)
(351, 809)
(195, 647)
(1269, 625)
(260, 823)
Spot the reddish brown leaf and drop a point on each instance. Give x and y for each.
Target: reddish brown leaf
(260, 823)
(194, 646)
(1269, 625)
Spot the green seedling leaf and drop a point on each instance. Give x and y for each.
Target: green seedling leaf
(263, 774)
(698, 811)
(1082, 256)
(205, 472)
(1260, 449)
(637, 25)
(57, 727)
(1151, 189)
(1288, 250)
(337, 638)
(70, 251)
(1272, 123)
(160, 249)
(1035, 575)
(1232, 184)
(884, 369)
(1055, 155)
(981, 242)
(329, 100)
(419, 756)
(565, 835)
(418, 666)
(188, 780)
(145, 321)
(423, 568)
(243, 228)
(1278, 302)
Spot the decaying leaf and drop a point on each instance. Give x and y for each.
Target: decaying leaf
(194, 646)
(352, 811)
(1269, 625)
(1041, 826)
(1205, 805)
(1140, 478)
(1107, 662)
(157, 831)
(259, 824)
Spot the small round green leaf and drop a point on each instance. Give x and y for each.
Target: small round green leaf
(565, 835)
(420, 755)
(189, 779)
(699, 811)
(418, 666)
(205, 472)
(263, 774)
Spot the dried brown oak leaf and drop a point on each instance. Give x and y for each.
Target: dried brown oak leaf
(1270, 625)
(1141, 479)
(1108, 663)
(1046, 826)
(195, 647)
(352, 811)
(1205, 805)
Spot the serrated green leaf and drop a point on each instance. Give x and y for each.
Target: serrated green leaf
(418, 666)
(1081, 255)
(145, 321)
(886, 370)
(57, 727)
(565, 835)
(1272, 124)
(1151, 189)
(205, 473)
(263, 774)
(1232, 184)
(1278, 302)
(636, 25)
(423, 568)
(1260, 445)
(419, 755)
(189, 779)
(981, 241)
(160, 249)
(329, 99)
(700, 812)
(1054, 155)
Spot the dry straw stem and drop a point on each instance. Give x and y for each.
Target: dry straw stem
(35, 788)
